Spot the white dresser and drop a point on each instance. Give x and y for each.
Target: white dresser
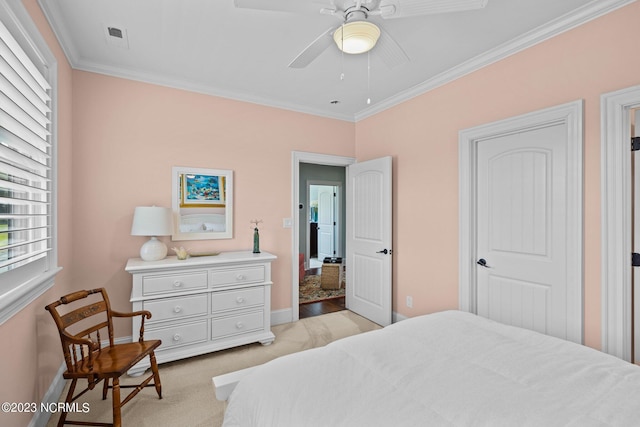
(202, 304)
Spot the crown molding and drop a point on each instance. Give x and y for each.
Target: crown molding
(588, 12)
(60, 31)
(175, 83)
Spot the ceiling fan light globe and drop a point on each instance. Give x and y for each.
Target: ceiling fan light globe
(358, 37)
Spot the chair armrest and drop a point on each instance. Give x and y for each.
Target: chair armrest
(70, 339)
(146, 314)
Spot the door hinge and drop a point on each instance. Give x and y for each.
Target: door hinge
(635, 143)
(635, 259)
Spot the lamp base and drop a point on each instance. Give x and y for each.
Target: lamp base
(153, 250)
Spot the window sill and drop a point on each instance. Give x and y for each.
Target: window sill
(17, 298)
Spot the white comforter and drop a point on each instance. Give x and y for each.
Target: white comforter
(444, 369)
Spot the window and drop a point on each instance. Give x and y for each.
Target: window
(27, 163)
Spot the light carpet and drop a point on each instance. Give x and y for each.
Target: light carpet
(187, 391)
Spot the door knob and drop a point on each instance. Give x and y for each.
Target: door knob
(384, 251)
(482, 262)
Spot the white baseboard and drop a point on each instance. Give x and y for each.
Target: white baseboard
(397, 317)
(279, 317)
(40, 419)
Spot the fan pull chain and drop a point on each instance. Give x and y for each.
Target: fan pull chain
(369, 78)
(342, 52)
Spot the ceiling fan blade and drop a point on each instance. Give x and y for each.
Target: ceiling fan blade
(314, 50)
(390, 9)
(299, 6)
(390, 51)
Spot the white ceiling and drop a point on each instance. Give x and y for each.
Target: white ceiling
(212, 47)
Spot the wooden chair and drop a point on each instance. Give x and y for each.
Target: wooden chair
(79, 329)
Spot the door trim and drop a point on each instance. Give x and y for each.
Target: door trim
(616, 204)
(298, 157)
(570, 114)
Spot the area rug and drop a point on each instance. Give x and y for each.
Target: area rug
(310, 290)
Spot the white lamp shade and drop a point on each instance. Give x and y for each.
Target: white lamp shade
(356, 37)
(152, 221)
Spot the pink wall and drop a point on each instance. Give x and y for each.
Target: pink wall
(422, 135)
(127, 137)
(30, 352)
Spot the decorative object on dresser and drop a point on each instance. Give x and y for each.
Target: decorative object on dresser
(181, 252)
(203, 304)
(79, 327)
(152, 221)
(256, 235)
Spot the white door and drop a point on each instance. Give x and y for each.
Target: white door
(521, 237)
(326, 221)
(368, 259)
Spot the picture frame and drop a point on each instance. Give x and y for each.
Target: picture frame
(199, 190)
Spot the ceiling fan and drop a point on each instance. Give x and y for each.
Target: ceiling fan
(359, 32)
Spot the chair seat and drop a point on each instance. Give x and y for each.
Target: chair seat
(114, 361)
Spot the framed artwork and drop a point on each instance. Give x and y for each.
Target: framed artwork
(202, 191)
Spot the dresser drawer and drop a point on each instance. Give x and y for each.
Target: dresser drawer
(236, 325)
(153, 285)
(237, 276)
(176, 308)
(179, 335)
(229, 300)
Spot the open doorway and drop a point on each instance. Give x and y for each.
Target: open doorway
(322, 237)
(303, 170)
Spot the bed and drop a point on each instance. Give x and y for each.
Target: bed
(444, 369)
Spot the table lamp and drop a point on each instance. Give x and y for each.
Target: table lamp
(152, 221)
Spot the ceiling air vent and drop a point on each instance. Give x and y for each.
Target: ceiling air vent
(115, 32)
(116, 35)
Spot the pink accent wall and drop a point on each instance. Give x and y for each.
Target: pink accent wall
(118, 140)
(127, 137)
(422, 136)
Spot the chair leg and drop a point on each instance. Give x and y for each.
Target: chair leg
(63, 414)
(117, 415)
(105, 388)
(156, 375)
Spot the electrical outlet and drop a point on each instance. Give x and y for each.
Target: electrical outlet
(409, 301)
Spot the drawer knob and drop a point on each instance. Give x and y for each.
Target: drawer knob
(177, 337)
(177, 283)
(177, 309)
(240, 300)
(239, 325)
(240, 277)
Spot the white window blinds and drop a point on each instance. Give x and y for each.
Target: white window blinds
(25, 158)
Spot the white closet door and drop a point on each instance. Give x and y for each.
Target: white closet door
(522, 239)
